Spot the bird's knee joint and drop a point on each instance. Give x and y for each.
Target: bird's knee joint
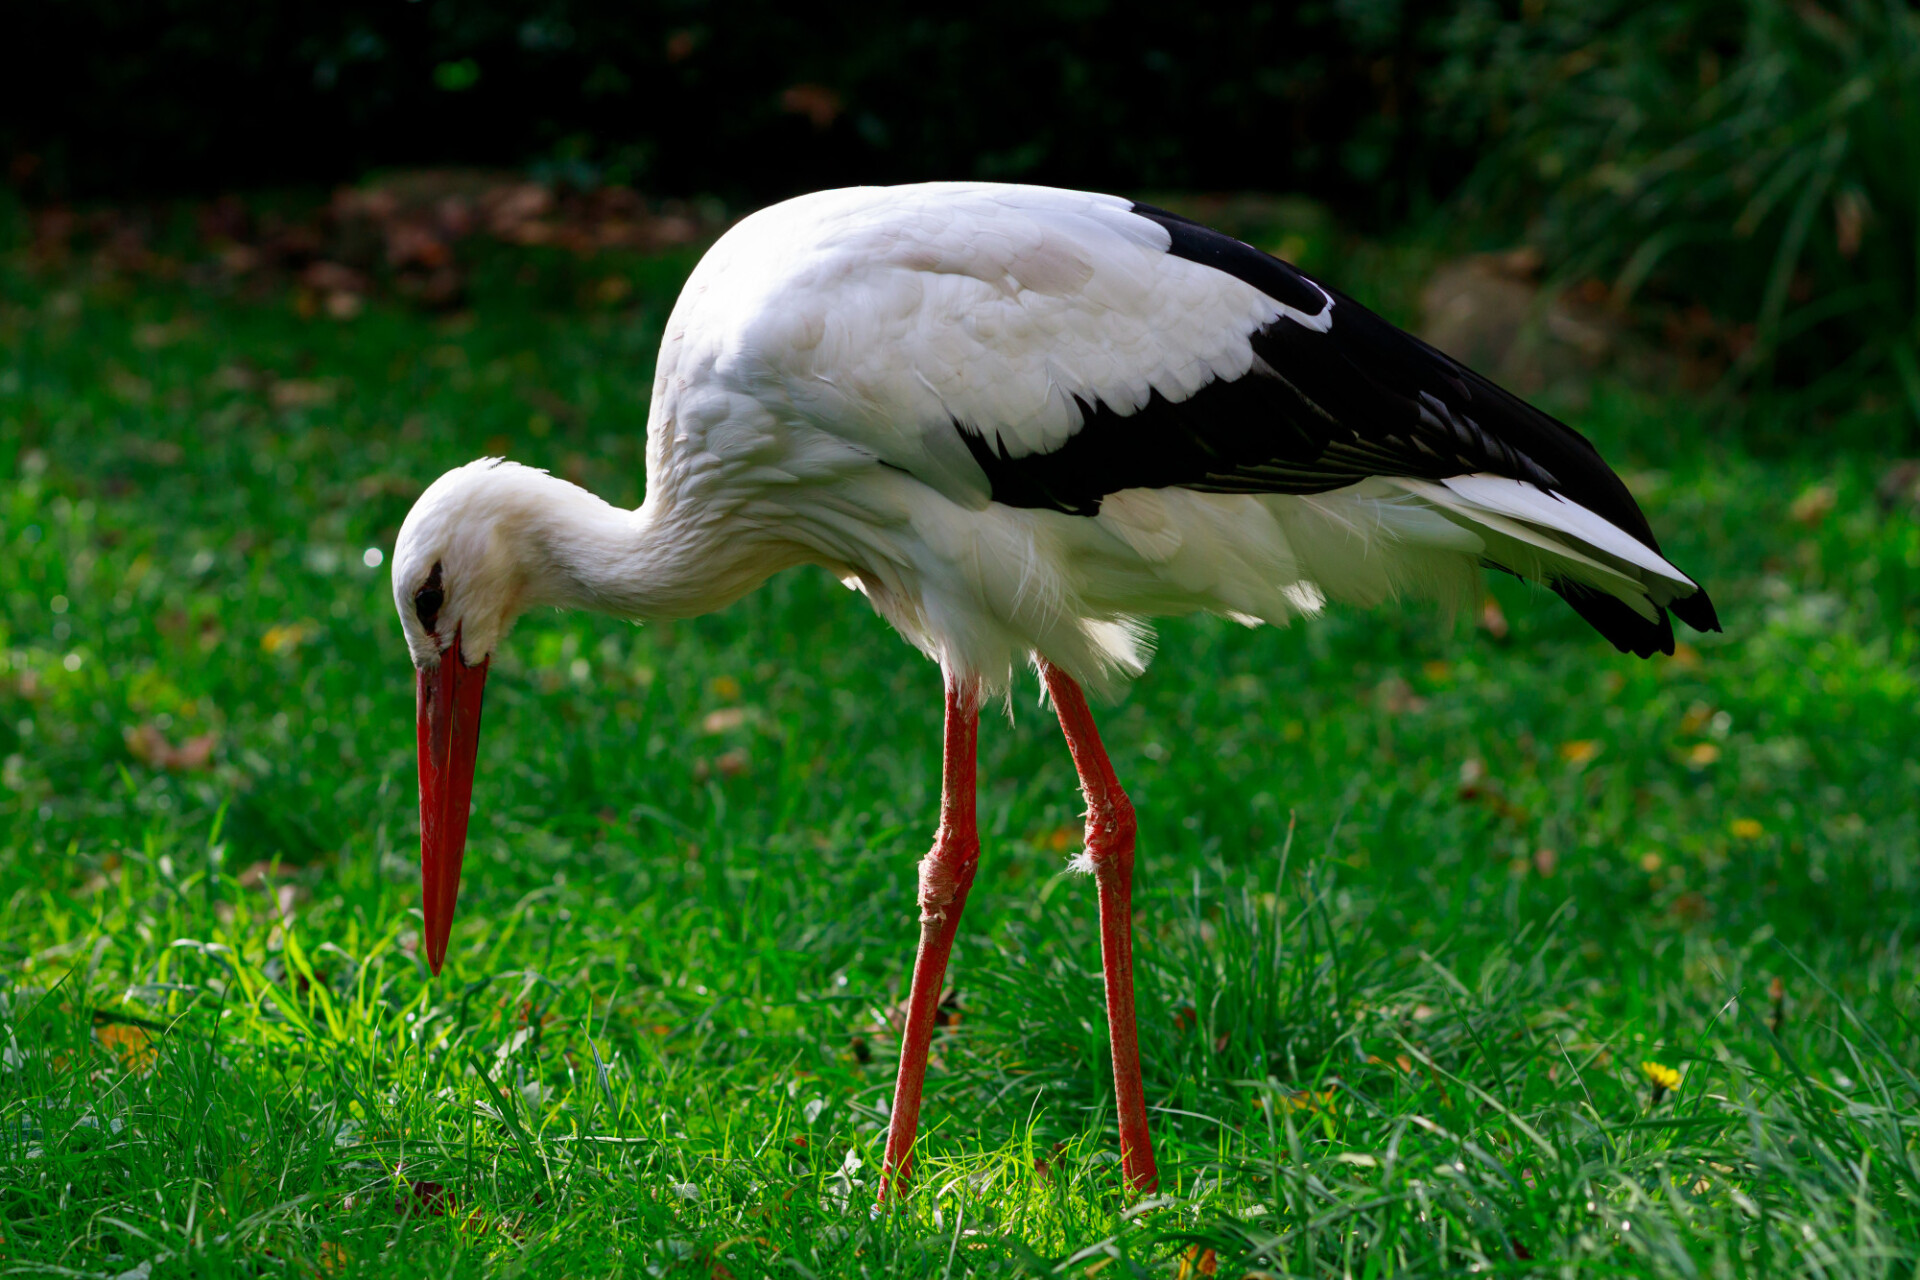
(1110, 833)
(1111, 825)
(945, 874)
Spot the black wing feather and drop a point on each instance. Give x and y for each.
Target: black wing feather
(1320, 411)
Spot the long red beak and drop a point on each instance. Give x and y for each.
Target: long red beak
(449, 700)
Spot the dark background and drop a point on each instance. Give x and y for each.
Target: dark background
(749, 101)
(1745, 163)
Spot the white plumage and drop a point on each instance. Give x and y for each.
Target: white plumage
(805, 409)
(1023, 422)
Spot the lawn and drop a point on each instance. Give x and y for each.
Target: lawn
(1417, 903)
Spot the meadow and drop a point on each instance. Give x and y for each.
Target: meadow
(1458, 951)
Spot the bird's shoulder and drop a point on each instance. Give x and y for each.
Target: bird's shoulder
(904, 318)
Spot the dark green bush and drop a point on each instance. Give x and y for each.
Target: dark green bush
(1759, 159)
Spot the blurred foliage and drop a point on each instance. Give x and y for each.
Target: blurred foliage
(748, 101)
(1746, 165)
(1753, 162)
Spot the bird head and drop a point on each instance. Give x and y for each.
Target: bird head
(459, 581)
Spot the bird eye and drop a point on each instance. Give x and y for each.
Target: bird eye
(428, 599)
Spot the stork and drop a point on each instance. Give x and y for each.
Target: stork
(1021, 421)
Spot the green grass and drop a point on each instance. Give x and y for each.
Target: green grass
(1394, 1003)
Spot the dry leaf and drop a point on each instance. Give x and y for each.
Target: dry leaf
(302, 393)
(286, 637)
(819, 104)
(1492, 619)
(133, 1046)
(1813, 504)
(1198, 1262)
(150, 746)
(1900, 485)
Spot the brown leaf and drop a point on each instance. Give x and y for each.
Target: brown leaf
(1491, 619)
(1813, 504)
(133, 1046)
(819, 104)
(150, 746)
(1198, 1262)
(332, 277)
(302, 393)
(1900, 485)
(1397, 698)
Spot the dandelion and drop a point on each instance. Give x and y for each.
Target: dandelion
(1664, 1079)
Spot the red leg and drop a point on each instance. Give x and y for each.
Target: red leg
(1110, 830)
(946, 873)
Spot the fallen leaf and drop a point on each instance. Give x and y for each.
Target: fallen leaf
(1492, 620)
(1900, 484)
(133, 1046)
(302, 393)
(1579, 751)
(819, 104)
(1308, 1100)
(1198, 1262)
(1812, 506)
(1396, 697)
(150, 746)
(286, 637)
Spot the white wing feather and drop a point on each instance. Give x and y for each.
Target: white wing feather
(887, 315)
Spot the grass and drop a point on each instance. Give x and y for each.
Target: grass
(1416, 905)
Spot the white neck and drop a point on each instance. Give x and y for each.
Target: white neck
(665, 560)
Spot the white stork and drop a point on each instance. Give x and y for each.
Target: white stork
(1021, 421)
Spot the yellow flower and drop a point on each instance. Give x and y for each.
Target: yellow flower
(1746, 829)
(1663, 1077)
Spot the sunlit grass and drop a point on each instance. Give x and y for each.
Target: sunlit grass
(1416, 905)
